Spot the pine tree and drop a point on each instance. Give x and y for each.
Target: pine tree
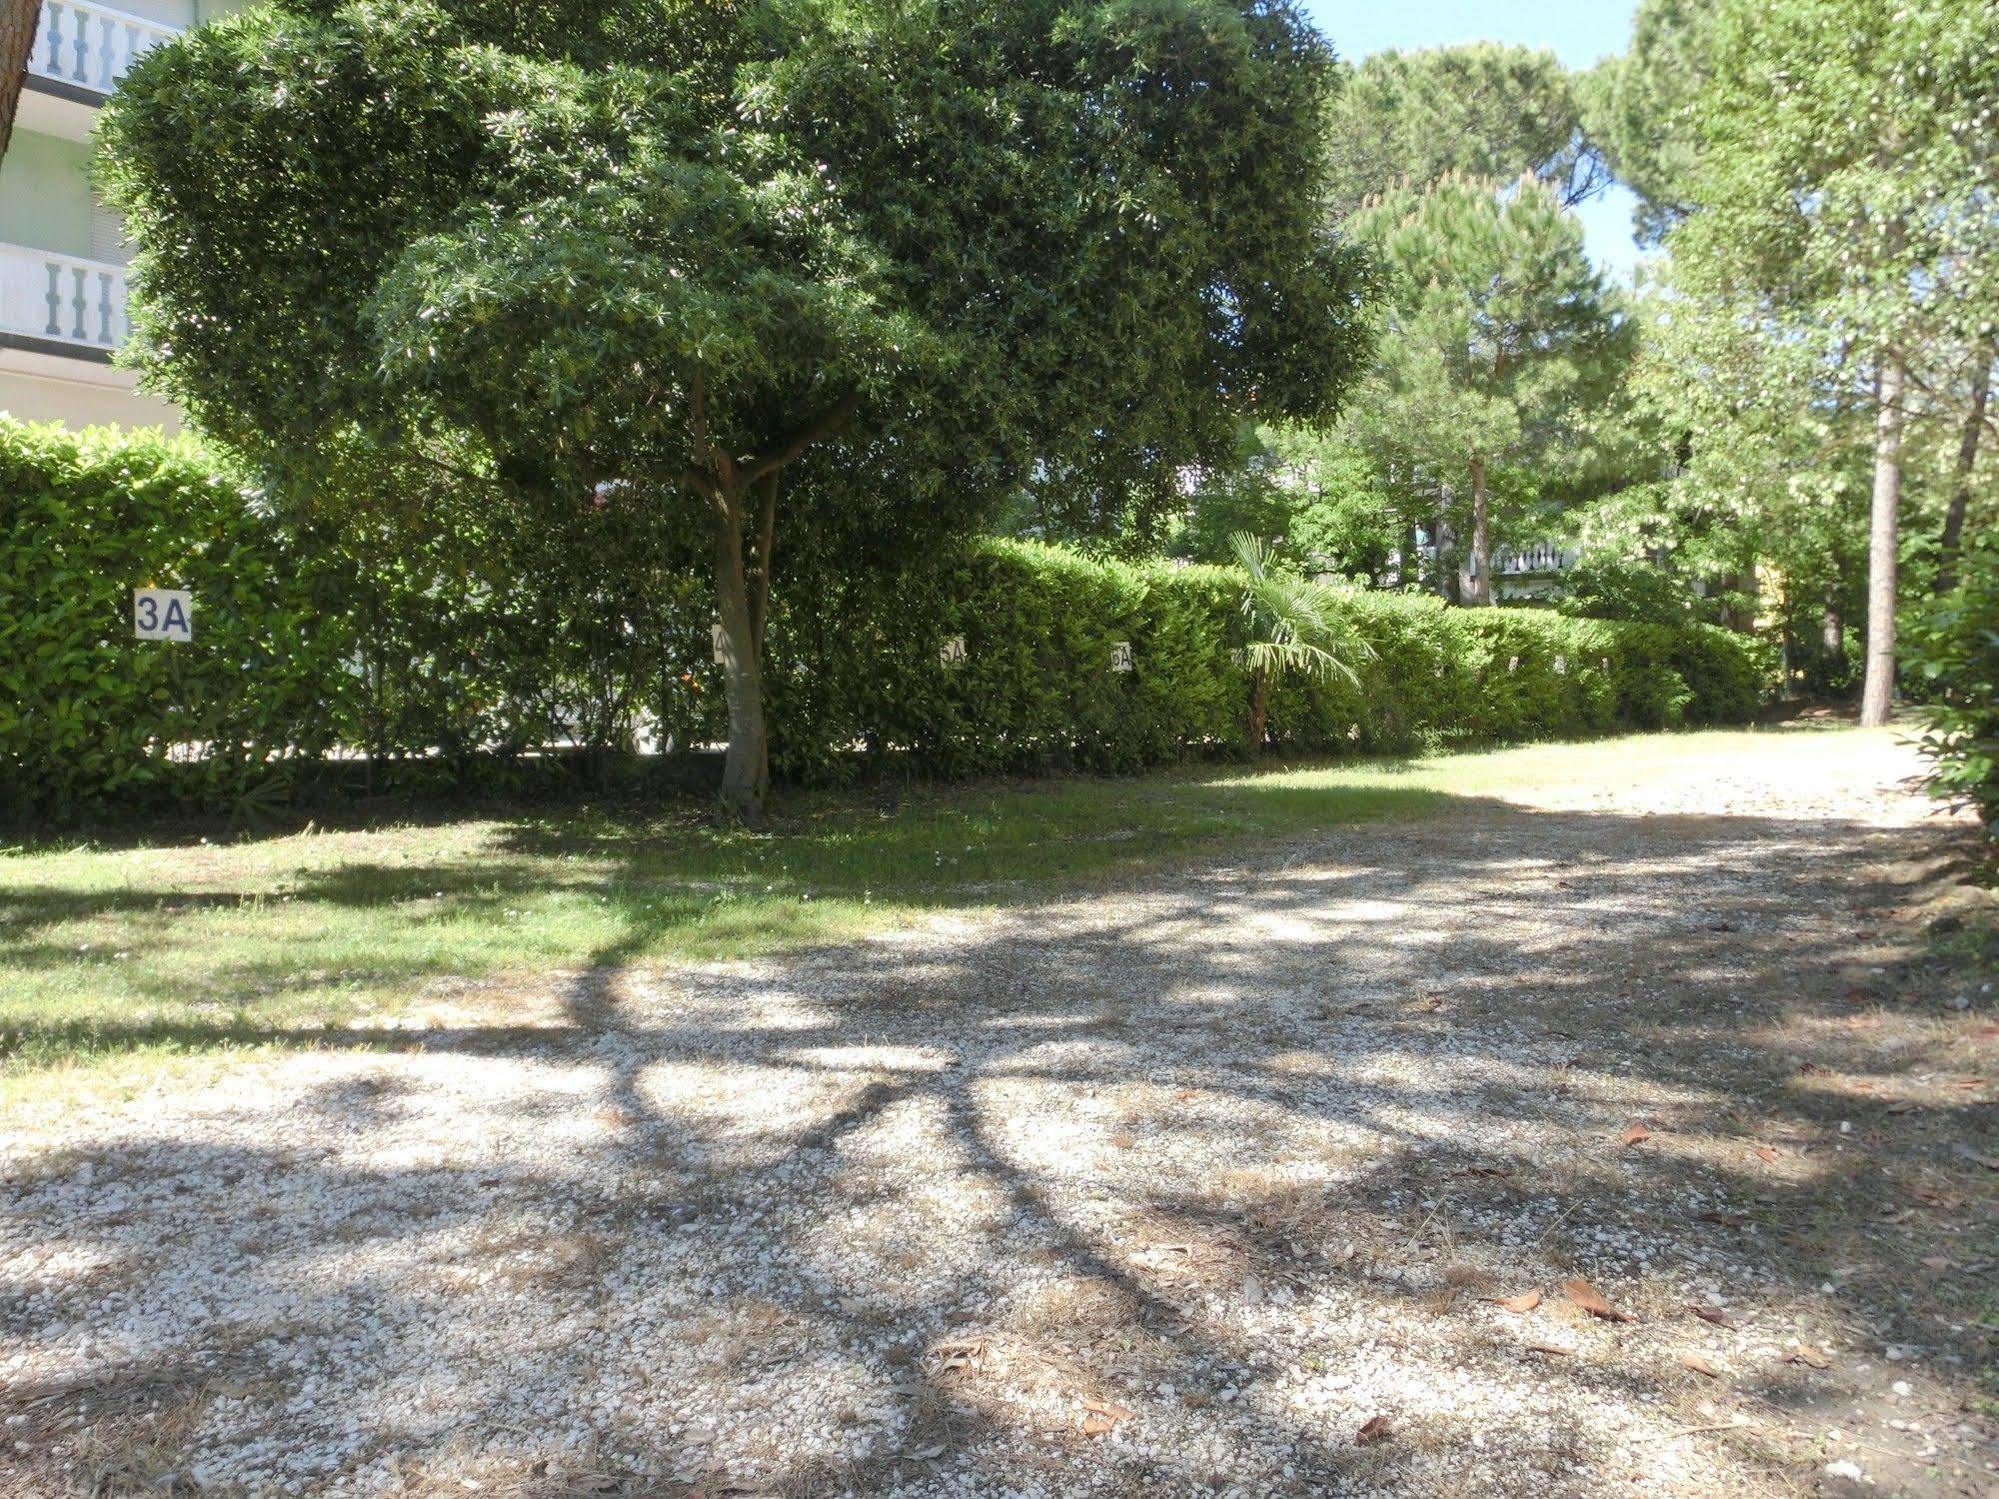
(1503, 347)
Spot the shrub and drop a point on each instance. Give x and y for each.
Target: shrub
(1953, 651)
(453, 662)
(87, 713)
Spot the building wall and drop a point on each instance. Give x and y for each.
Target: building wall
(45, 194)
(37, 387)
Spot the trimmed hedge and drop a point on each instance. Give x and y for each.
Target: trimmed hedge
(1953, 663)
(452, 662)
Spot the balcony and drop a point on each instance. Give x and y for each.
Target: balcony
(84, 49)
(62, 304)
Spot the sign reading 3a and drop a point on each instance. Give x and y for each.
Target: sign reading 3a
(163, 614)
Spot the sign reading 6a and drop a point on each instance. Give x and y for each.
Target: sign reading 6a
(163, 614)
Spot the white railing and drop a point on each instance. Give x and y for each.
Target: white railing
(91, 46)
(1543, 557)
(62, 298)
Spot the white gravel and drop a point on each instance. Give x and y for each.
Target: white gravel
(1228, 1164)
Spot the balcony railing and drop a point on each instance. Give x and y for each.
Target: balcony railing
(62, 298)
(91, 46)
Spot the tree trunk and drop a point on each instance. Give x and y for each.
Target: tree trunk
(1832, 626)
(1259, 708)
(746, 772)
(1878, 698)
(1960, 495)
(18, 20)
(1446, 560)
(1476, 587)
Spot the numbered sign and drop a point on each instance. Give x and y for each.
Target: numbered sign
(952, 652)
(721, 646)
(163, 614)
(1121, 656)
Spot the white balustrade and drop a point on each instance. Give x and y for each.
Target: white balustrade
(62, 298)
(91, 46)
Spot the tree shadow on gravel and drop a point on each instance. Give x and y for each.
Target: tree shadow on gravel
(1172, 1189)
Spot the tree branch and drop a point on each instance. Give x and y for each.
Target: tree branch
(821, 427)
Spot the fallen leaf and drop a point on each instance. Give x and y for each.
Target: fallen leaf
(1973, 1082)
(1548, 1348)
(1374, 1430)
(1096, 1426)
(1635, 1132)
(1768, 1154)
(1526, 1301)
(1984, 1032)
(928, 1454)
(1809, 1356)
(1939, 1262)
(1902, 1106)
(1726, 1220)
(1106, 1410)
(1699, 1365)
(1977, 1158)
(1584, 1295)
(1937, 1197)
(1713, 1314)
(1863, 1022)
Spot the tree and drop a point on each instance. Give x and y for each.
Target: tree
(19, 20)
(1639, 108)
(844, 275)
(1312, 489)
(1295, 626)
(1485, 110)
(1846, 178)
(1502, 351)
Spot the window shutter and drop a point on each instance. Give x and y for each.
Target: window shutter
(107, 234)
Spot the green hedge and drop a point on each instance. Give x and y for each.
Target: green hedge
(1953, 662)
(348, 655)
(86, 713)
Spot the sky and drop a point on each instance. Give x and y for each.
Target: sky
(1579, 32)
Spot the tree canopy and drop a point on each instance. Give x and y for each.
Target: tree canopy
(1486, 110)
(1503, 346)
(662, 254)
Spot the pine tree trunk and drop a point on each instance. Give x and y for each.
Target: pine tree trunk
(18, 20)
(1878, 698)
(1477, 587)
(1446, 549)
(1960, 496)
(746, 771)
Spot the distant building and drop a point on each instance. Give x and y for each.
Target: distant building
(1529, 573)
(62, 252)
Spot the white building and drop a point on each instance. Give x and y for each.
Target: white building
(62, 253)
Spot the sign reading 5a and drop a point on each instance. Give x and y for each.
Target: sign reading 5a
(163, 614)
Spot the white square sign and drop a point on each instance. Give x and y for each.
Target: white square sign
(952, 652)
(163, 614)
(1121, 656)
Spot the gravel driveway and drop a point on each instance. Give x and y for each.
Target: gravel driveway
(1242, 1180)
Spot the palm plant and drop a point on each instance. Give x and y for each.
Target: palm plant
(1295, 625)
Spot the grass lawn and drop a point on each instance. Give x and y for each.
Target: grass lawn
(195, 945)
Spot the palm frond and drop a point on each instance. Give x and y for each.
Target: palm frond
(1298, 621)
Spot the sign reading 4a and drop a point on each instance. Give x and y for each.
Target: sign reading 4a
(163, 614)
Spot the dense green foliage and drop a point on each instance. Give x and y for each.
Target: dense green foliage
(1404, 119)
(461, 661)
(838, 275)
(85, 711)
(1503, 348)
(1954, 654)
(1639, 108)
